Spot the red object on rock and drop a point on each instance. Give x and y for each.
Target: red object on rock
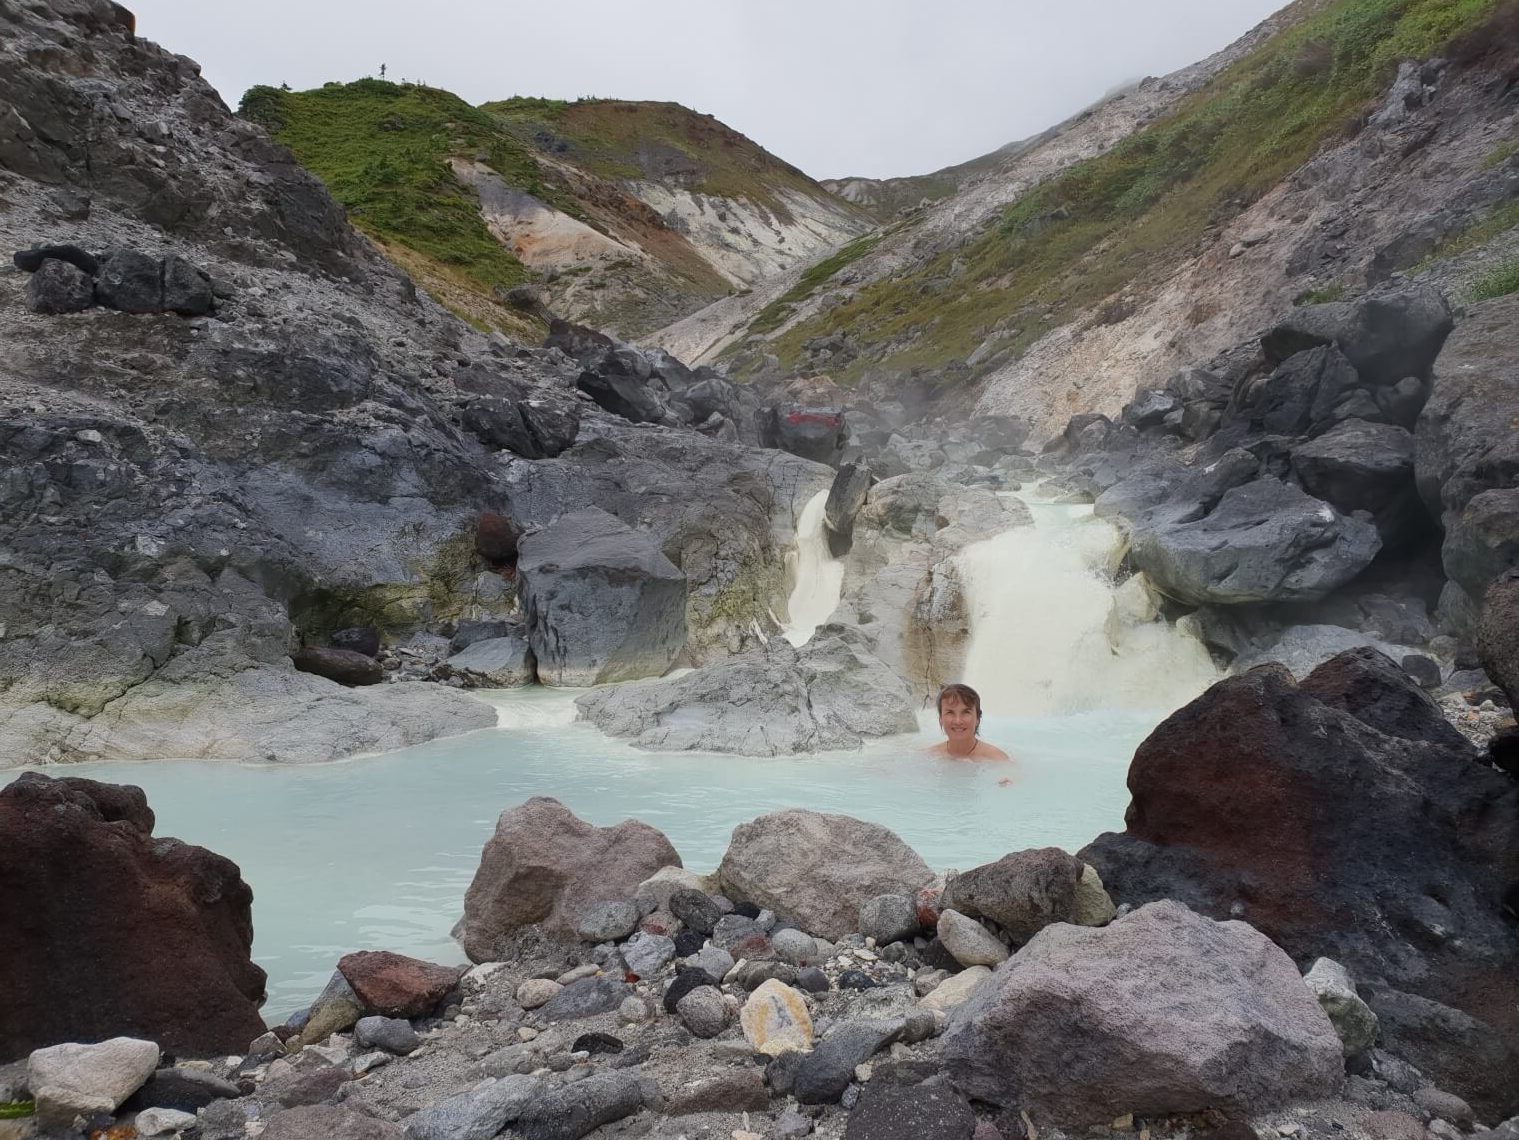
(928, 903)
(108, 932)
(394, 985)
(659, 922)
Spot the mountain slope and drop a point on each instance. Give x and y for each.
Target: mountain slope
(1035, 286)
(627, 215)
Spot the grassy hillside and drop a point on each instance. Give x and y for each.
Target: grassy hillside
(1149, 202)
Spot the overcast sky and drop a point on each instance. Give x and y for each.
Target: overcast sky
(836, 87)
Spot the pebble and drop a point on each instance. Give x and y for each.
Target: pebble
(157, 1121)
(526, 1033)
(632, 1011)
(955, 989)
(608, 921)
(589, 970)
(647, 954)
(970, 942)
(536, 992)
(697, 910)
(864, 1072)
(703, 1011)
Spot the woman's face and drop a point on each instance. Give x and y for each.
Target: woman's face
(957, 719)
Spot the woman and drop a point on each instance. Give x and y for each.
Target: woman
(960, 718)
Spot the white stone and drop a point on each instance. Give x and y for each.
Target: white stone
(79, 1080)
(955, 989)
(158, 1121)
(970, 942)
(536, 992)
(1354, 1022)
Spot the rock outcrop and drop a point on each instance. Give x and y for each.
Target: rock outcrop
(1162, 1012)
(544, 865)
(92, 899)
(1397, 859)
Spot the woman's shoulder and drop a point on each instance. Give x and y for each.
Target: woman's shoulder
(985, 751)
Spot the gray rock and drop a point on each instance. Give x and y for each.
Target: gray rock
(608, 921)
(393, 1034)
(752, 975)
(187, 1090)
(818, 870)
(732, 929)
(647, 954)
(799, 948)
(1351, 1017)
(970, 942)
(602, 601)
(1303, 648)
(575, 1110)
(335, 1009)
(654, 893)
(792, 1125)
(1266, 541)
(696, 910)
(327, 1122)
(84, 1080)
(159, 1121)
(887, 918)
(1385, 337)
(585, 998)
(888, 1111)
(537, 992)
(1437, 1104)
(130, 281)
(476, 1115)
(1360, 466)
(773, 700)
(58, 287)
(737, 1090)
(494, 662)
(1160, 1012)
(825, 1073)
(186, 289)
(813, 980)
(703, 1011)
(1454, 1050)
(1022, 892)
(713, 960)
(845, 498)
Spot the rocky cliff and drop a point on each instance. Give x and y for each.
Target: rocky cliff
(626, 215)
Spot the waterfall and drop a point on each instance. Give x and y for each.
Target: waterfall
(1051, 634)
(817, 576)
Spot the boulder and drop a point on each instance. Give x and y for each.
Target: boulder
(1360, 466)
(1385, 337)
(345, 666)
(1498, 635)
(186, 289)
(619, 382)
(1305, 394)
(1160, 1013)
(545, 865)
(578, 1109)
(1150, 408)
(357, 639)
(1351, 1017)
(1397, 859)
(494, 663)
(845, 498)
(130, 281)
(602, 601)
(1265, 541)
(970, 942)
(393, 985)
(775, 699)
(93, 899)
(577, 341)
(533, 429)
(478, 1114)
(58, 287)
(818, 434)
(1470, 1056)
(87, 1080)
(817, 870)
(828, 1070)
(886, 918)
(1026, 891)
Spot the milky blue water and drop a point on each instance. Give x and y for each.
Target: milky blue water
(376, 852)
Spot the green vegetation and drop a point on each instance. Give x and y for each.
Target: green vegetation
(1500, 154)
(773, 315)
(1158, 195)
(1499, 282)
(383, 149)
(16, 1109)
(1322, 296)
(1497, 221)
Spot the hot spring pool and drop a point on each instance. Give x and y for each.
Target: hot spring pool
(376, 852)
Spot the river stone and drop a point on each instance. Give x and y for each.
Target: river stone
(330, 1122)
(826, 1072)
(712, 959)
(478, 1114)
(607, 921)
(647, 954)
(817, 870)
(887, 919)
(82, 1080)
(776, 1021)
(585, 998)
(797, 947)
(602, 602)
(536, 992)
(1351, 1017)
(393, 1034)
(888, 1111)
(494, 663)
(158, 1121)
(955, 989)
(394, 985)
(58, 287)
(1159, 1013)
(545, 865)
(970, 942)
(696, 910)
(703, 1011)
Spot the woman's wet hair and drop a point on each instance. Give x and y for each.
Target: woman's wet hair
(967, 696)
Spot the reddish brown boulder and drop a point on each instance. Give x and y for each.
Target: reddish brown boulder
(394, 985)
(341, 665)
(108, 932)
(1344, 818)
(546, 865)
(496, 539)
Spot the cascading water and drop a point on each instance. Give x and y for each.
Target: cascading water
(817, 576)
(1050, 633)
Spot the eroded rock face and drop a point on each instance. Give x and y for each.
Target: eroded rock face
(545, 865)
(92, 900)
(603, 603)
(817, 870)
(1396, 859)
(1386, 338)
(774, 700)
(1162, 1012)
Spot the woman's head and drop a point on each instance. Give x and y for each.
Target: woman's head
(959, 710)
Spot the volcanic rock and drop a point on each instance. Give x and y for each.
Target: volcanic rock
(82, 1080)
(901, 1112)
(545, 865)
(1025, 892)
(776, 1021)
(394, 985)
(93, 899)
(58, 287)
(344, 666)
(1385, 337)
